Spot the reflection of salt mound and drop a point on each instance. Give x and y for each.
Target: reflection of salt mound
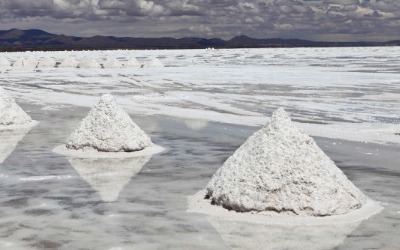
(255, 236)
(88, 62)
(281, 169)
(133, 63)
(4, 62)
(112, 63)
(108, 176)
(108, 128)
(9, 140)
(68, 62)
(10, 112)
(155, 63)
(47, 62)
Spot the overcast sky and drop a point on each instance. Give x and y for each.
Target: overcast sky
(344, 20)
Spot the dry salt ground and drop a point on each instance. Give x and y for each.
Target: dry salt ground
(281, 171)
(108, 132)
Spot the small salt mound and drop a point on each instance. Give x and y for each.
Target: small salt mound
(132, 63)
(10, 112)
(281, 169)
(108, 128)
(4, 62)
(30, 62)
(155, 63)
(112, 63)
(25, 63)
(19, 63)
(69, 62)
(47, 62)
(88, 62)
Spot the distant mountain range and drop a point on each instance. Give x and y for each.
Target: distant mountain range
(34, 39)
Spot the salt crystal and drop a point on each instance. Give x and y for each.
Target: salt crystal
(10, 112)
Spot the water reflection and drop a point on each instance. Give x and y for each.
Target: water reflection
(240, 235)
(110, 175)
(9, 139)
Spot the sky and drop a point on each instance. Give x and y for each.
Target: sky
(327, 20)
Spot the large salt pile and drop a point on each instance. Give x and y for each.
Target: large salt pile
(88, 62)
(112, 63)
(281, 169)
(4, 62)
(69, 62)
(132, 63)
(47, 62)
(108, 128)
(155, 63)
(10, 113)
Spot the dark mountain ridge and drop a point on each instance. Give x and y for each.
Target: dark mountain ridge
(34, 39)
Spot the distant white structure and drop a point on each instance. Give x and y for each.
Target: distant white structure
(88, 62)
(68, 62)
(111, 62)
(4, 63)
(132, 63)
(47, 62)
(155, 63)
(19, 63)
(30, 62)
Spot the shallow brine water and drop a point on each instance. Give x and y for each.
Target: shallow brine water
(49, 201)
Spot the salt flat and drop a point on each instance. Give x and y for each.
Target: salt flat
(201, 106)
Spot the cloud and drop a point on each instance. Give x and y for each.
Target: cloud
(312, 19)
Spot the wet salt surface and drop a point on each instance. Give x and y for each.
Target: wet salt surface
(46, 204)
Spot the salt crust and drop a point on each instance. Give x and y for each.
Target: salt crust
(91, 153)
(280, 168)
(4, 62)
(155, 63)
(11, 114)
(198, 204)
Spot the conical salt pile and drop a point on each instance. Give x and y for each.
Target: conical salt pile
(47, 62)
(88, 62)
(10, 112)
(19, 63)
(112, 63)
(30, 62)
(108, 128)
(132, 63)
(155, 63)
(69, 62)
(4, 62)
(281, 169)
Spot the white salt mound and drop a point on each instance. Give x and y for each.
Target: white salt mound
(19, 63)
(30, 62)
(4, 62)
(47, 62)
(10, 112)
(132, 63)
(69, 62)
(108, 128)
(112, 63)
(281, 169)
(88, 62)
(155, 63)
